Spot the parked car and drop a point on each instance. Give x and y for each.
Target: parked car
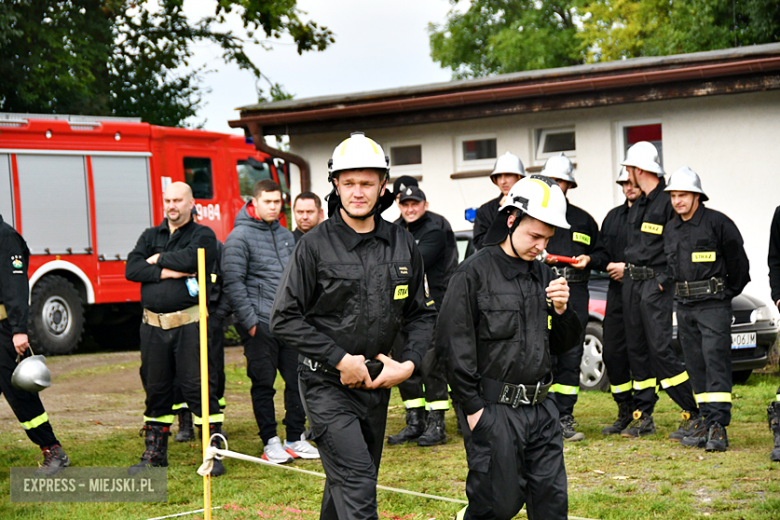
(753, 330)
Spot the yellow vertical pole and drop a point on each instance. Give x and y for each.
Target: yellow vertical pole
(204, 376)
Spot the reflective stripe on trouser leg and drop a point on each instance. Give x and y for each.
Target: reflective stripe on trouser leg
(415, 403)
(566, 367)
(615, 354)
(163, 419)
(437, 405)
(213, 418)
(643, 385)
(179, 406)
(564, 389)
(674, 380)
(35, 421)
(713, 397)
(222, 402)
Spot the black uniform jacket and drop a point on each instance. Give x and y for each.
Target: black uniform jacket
(496, 322)
(486, 214)
(344, 292)
(708, 245)
(613, 239)
(440, 258)
(647, 221)
(774, 256)
(581, 239)
(179, 252)
(14, 287)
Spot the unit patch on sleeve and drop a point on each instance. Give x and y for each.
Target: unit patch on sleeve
(17, 263)
(655, 229)
(581, 237)
(704, 256)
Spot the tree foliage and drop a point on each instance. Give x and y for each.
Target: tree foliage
(130, 57)
(498, 36)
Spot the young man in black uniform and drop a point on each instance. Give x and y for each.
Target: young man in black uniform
(709, 266)
(507, 171)
(613, 238)
(503, 317)
(163, 260)
(426, 392)
(14, 297)
(773, 411)
(352, 284)
(581, 241)
(648, 300)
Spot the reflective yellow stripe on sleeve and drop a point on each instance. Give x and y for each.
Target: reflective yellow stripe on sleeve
(35, 422)
(713, 397)
(565, 389)
(674, 381)
(414, 403)
(619, 389)
(647, 383)
(165, 419)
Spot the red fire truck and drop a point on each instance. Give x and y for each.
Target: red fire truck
(82, 189)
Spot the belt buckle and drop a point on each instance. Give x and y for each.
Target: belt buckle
(687, 290)
(713, 285)
(313, 365)
(514, 395)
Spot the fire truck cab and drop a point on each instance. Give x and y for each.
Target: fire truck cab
(81, 190)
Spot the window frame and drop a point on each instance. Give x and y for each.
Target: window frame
(540, 136)
(212, 162)
(463, 165)
(620, 137)
(405, 169)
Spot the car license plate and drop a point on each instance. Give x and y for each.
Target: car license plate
(743, 340)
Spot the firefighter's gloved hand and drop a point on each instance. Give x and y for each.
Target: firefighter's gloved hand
(558, 292)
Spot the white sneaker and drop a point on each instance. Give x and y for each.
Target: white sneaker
(274, 452)
(301, 449)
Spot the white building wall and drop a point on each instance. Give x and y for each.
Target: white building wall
(733, 142)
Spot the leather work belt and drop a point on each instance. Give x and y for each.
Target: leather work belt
(314, 366)
(639, 272)
(515, 395)
(172, 320)
(571, 274)
(712, 286)
(3, 314)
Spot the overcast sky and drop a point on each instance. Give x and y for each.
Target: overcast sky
(378, 45)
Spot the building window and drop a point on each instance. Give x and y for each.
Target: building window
(197, 173)
(552, 141)
(631, 132)
(406, 155)
(478, 149)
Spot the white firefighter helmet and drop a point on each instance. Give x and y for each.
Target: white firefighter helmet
(560, 168)
(622, 176)
(644, 155)
(539, 197)
(358, 152)
(508, 163)
(32, 374)
(686, 179)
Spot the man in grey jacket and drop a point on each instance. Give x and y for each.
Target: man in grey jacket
(255, 254)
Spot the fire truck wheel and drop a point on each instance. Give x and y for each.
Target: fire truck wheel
(56, 316)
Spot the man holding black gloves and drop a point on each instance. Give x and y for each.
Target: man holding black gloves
(352, 284)
(503, 318)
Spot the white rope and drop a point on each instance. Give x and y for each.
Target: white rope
(183, 514)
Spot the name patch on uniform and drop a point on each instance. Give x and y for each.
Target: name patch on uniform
(708, 256)
(581, 238)
(402, 269)
(401, 292)
(655, 229)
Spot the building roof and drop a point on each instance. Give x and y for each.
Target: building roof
(742, 69)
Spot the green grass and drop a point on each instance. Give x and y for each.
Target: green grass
(609, 478)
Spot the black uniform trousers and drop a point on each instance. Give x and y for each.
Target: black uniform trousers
(515, 457)
(648, 318)
(216, 365)
(704, 331)
(348, 426)
(26, 406)
(428, 384)
(171, 359)
(615, 346)
(264, 356)
(566, 370)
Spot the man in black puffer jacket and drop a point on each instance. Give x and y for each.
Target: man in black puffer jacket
(255, 254)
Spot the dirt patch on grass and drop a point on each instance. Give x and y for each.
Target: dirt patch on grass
(98, 390)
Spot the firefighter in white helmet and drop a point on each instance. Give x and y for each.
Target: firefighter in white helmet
(507, 171)
(351, 286)
(503, 318)
(580, 240)
(648, 299)
(707, 260)
(14, 342)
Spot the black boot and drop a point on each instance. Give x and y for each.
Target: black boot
(624, 418)
(54, 459)
(156, 453)
(717, 440)
(434, 433)
(773, 416)
(186, 431)
(218, 469)
(415, 425)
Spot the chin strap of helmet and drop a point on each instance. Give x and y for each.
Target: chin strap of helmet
(512, 229)
(383, 201)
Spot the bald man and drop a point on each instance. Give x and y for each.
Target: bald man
(165, 262)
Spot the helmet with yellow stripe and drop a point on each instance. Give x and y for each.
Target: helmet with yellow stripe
(358, 152)
(539, 197)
